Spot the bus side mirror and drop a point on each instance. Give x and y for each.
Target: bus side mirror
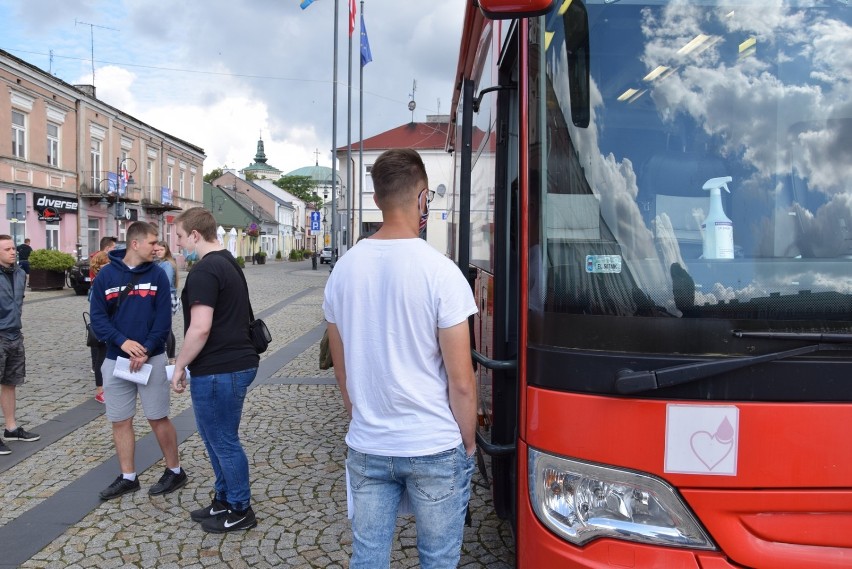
(510, 9)
(576, 23)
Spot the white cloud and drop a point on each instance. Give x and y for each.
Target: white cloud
(115, 85)
(743, 101)
(216, 72)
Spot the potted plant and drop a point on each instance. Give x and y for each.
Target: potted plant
(260, 257)
(47, 269)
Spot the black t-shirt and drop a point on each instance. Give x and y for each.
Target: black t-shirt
(24, 251)
(214, 281)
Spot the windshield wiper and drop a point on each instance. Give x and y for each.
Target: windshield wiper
(628, 381)
(798, 336)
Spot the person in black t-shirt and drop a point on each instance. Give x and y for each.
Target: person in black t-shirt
(222, 363)
(24, 251)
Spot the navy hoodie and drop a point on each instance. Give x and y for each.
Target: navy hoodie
(144, 315)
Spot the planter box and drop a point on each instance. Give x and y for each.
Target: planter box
(41, 279)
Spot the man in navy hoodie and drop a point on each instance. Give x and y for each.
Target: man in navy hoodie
(131, 311)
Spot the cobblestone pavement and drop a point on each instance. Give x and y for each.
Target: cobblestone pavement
(293, 428)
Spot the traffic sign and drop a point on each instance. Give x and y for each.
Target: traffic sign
(16, 204)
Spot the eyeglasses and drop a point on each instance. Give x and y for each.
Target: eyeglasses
(430, 195)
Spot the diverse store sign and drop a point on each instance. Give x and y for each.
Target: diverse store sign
(49, 207)
(63, 203)
(49, 214)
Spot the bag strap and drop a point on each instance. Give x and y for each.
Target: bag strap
(124, 293)
(242, 276)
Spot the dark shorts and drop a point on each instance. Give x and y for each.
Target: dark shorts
(13, 367)
(25, 265)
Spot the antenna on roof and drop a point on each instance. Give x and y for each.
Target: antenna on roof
(92, 40)
(412, 104)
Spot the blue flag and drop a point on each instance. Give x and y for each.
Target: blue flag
(366, 55)
(305, 4)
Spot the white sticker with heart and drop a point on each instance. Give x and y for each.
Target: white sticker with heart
(702, 439)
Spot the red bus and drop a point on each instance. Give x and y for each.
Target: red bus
(653, 203)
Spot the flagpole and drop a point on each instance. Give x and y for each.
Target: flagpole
(334, 147)
(349, 168)
(361, 135)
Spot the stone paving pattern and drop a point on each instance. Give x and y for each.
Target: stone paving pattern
(293, 430)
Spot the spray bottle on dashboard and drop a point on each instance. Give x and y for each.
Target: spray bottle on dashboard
(718, 229)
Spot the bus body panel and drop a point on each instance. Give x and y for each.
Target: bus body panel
(781, 509)
(779, 445)
(777, 528)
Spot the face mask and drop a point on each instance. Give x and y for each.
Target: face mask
(424, 217)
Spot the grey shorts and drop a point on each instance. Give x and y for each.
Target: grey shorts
(120, 394)
(13, 369)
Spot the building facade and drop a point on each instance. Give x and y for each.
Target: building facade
(85, 169)
(363, 217)
(318, 235)
(258, 206)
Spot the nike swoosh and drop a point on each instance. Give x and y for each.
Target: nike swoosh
(227, 525)
(216, 512)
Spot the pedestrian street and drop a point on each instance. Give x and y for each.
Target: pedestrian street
(293, 429)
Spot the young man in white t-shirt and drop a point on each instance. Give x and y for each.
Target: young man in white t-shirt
(397, 313)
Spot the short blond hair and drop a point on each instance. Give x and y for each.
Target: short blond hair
(200, 220)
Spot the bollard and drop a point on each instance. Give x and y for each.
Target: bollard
(314, 261)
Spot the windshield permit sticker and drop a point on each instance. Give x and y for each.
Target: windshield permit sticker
(603, 263)
(702, 439)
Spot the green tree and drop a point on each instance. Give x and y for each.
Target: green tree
(303, 187)
(212, 175)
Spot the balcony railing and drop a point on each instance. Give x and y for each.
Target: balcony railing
(99, 185)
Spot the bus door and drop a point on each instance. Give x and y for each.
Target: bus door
(492, 105)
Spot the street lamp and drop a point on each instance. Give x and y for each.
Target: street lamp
(324, 216)
(116, 183)
(124, 168)
(337, 192)
(253, 232)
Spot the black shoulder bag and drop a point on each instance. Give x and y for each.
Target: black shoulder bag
(258, 332)
(92, 340)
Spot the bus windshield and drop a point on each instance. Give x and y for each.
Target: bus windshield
(692, 160)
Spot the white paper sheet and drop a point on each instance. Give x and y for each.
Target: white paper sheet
(170, 371)
(122, 370)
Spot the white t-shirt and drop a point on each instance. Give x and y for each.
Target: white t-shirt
(388, 298)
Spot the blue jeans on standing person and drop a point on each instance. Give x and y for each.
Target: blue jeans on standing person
(438, 488)
(218, 404)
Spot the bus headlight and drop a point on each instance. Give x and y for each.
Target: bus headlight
(581, 502)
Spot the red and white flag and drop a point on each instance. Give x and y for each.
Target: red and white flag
(351, 17)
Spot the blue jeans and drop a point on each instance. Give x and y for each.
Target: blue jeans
(438, 489)
(218, 404)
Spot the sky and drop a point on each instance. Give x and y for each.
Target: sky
(220, 73)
